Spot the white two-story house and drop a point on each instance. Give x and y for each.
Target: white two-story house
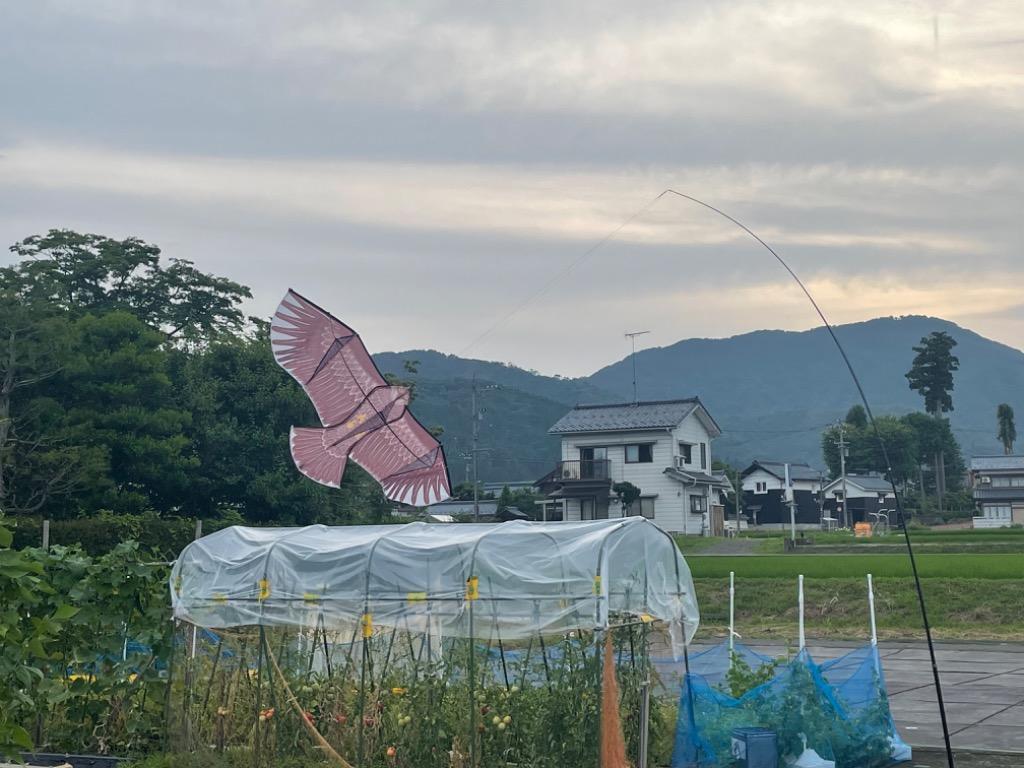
(663, 448)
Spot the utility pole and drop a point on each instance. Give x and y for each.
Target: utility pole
(475, 451)
(476, 437)
(632, 338)
(842, 472)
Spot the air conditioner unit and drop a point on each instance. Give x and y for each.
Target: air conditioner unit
(985, 480)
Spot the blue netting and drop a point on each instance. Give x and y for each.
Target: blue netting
(839, 710)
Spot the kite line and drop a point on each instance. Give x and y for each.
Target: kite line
(849, 367)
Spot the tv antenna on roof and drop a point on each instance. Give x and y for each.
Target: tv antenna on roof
(632, 339)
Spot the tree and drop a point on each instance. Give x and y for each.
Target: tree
(242, 406)
(931, 373)
(865, 452)
(627, 494)
(1007, 428)
(86, 273)
(857, 417)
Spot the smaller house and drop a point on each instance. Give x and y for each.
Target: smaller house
(766, 501)
(463, 510)
(868, 495)
(513, 485)
(997, 485)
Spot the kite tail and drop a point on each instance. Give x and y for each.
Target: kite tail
(613, 745)
(318, 457)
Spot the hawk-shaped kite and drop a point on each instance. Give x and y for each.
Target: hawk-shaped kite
(365, 418)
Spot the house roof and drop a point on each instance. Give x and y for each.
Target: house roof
(797, 471)
(488, 507)
(719, 480)
(874, 483)
(997, 463)
(619, 417)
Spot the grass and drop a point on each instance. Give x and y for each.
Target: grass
(958, 608)
(930, 566)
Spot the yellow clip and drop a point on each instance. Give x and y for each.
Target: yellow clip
(597, 585)
(220, 597)
(416, 597)
(473, 588)
(646, 618)
(367, 622)
(264, 585)
(310, 597)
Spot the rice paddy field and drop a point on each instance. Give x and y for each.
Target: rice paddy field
(973, 582)
(839, 566)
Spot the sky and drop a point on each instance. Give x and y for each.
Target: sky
(478, 178)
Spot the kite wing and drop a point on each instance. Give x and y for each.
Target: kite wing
(407, 462)
(357, 407)
(325, 356)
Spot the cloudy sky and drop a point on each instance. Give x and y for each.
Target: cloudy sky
(439, 173)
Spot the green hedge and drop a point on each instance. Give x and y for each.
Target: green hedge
(161, 536)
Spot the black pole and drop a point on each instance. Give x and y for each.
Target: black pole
(885, 455)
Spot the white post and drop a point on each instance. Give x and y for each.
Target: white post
(871, 611)
(732, 610)
(800, 592)
(195, 629)
(46, 535)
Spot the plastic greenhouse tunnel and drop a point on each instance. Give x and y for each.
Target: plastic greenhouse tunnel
(426, 644)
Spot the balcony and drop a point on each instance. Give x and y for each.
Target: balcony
(583, 470)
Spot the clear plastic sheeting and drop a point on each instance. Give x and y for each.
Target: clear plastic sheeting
(513, 579)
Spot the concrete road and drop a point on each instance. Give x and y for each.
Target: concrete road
(982, 684)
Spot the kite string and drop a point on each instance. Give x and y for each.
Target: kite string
(849, 366)
(546, 286)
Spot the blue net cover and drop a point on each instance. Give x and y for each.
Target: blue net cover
(838, 709)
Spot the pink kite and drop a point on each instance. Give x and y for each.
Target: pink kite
(364, 418)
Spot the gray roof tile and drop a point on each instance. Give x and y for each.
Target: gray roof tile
(996, 463)
(778, 468)
(663, 414)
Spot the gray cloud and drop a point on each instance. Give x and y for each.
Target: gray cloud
(430, 166)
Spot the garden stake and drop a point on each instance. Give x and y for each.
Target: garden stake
(526, 663)
(213, 673)
(258, 738)
(544, 655)
(501, 647)
(313, 731)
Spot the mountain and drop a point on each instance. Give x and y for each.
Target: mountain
(516, 408)
(772, 392)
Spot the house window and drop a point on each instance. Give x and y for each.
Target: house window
(998, 511)
(698, 505)
(1000, 482)
(761, 486)
(640, 453)
(642, 508)
(703, 456)
(686, 453)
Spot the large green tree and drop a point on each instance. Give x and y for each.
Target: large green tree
(931, 372)
(86, 273)
(1007, 428)
(910, 440)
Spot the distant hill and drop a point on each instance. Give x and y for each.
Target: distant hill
(771, 391)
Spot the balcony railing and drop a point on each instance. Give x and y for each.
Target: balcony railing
(583, 469)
